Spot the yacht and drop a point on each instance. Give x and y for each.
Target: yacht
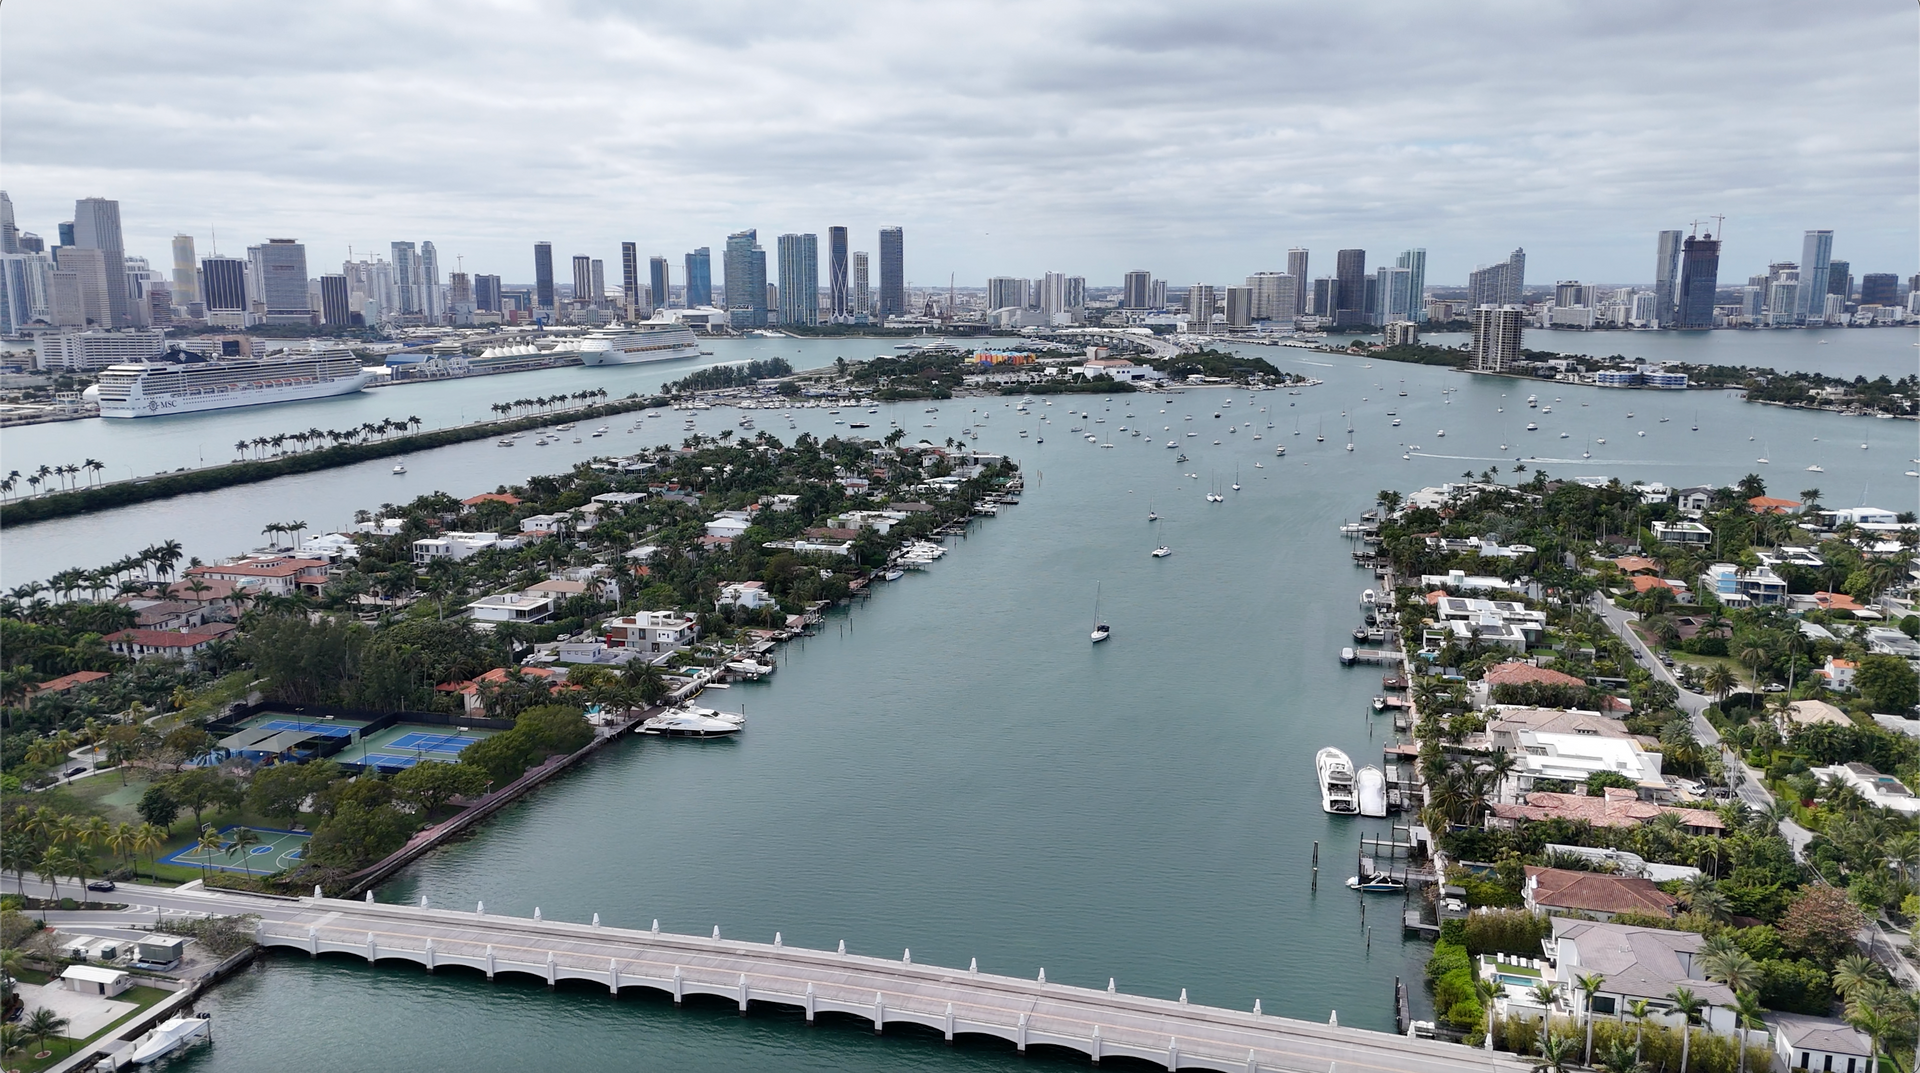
(1376, 884)
(692, 723)
(1336, 781)
(399, 468)
(171, 1035)
(1162, 552)
(1370, 786)
(644, 342)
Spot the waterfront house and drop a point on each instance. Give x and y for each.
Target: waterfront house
(537, 525)
(809, 545)
(752, 595)
(1772, 505)
(457, 546)
(1735, 587)
(1637, 963)
(1635, 564)
(1461, 581)
(1860, 516)
(1835, 601)
(1508, 723)
(1516, 673)
(1682, 533)
(1624, 863)
(1881, 791)
(175, 644)
(155, 614)
(1571, 758)
(655, 633)
(1826, 1044)
(473, 694)
(1557, 891)
(277, 575)
(621, 499)
(490, 497)
(511, 607)
(380, 526)
(1615, 807)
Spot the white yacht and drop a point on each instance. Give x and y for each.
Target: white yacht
(1162, 552)
(693, 723)
(1336, 781)
(171, 1035)
(1370, 786)
(644, 342)
(185, 383)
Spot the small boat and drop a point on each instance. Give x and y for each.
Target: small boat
(1531, 427)
(1816, 468)
(171, 1035)
(1376, 884)
(1162, 552)
(1370, 786)
(399, 468)
(1336, 781)
(1100, 629)
(1153, 515)
(1441, 432)
(895, 575)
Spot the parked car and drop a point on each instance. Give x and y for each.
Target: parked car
(101, 885)
(71, 772)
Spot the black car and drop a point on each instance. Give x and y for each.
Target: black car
(101, 885)
(71, 772)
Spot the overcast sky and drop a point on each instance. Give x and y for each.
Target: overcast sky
(1196, 138)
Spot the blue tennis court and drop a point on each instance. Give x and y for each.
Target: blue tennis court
(325, 730)
(400, 747)
(432, 743)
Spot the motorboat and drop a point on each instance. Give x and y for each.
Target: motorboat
(1162, 552)
(692, 723)
(1531, 427)
(1370, 787)
(399, 468)
(750, 669)
(1336, 781)
(169, 1036)
(1376, 884)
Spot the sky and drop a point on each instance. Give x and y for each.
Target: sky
(1198, 139)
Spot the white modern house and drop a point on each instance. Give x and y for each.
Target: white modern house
(457, 546)
(752, 595)
(729, 524)
(511, 607)
(1825, 1044)
(1637, 963)
(654, 633)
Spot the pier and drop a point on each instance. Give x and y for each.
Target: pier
(884, 991)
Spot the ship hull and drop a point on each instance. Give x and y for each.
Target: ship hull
(138, 404)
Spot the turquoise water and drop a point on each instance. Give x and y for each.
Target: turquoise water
(951, 767)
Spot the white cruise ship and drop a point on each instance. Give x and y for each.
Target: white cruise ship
(648, 341)
(183, 383)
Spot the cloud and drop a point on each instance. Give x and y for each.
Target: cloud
(1199, 140)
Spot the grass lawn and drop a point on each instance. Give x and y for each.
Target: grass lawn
(1707, 663)
(62, 1047)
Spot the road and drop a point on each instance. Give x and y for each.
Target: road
(1745, 780)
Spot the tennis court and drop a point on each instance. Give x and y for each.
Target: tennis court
(275, 851)
(332, 729)
(400, 747)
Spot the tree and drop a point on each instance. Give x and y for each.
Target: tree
(1621, 1057)
(357, 835)
(1747, 1015)
(1589, 984)
(201, 789)
(208, 844)
(158, 807)
(244, 839)
(1888, 683)
(1735, 969)
(186, 743)
(42, 1025)
(431, 785)
(147, 839)
(1688, 1006)
(1556, 1052)
(1854, 972)
(280, 792)
(1638, 1009)
(1820, 924)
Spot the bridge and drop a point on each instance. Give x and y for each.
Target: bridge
(883, 991)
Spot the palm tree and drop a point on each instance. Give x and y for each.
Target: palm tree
(147, 839)
(54, 864)
(1854, 972)
(1876, 1023)
(1688, 1006)
(1735, 969)
(1556, 1051)
(207, 845)
(244, 839)
(1546, 995)
(41, 1025)
(1620, 1058)
(1638, 1009)
(1720, 682)
(1589, 985)
(1747, 1015)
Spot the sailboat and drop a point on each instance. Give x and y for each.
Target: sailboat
(1696, 420)
(1236, 478)
(1349, 439)
(1153, 515)
(1321, 436)
(1763, 457)
(1100, 630)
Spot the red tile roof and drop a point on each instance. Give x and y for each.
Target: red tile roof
(1770, 505)
(491, 497)
(1835, 601)
(1641, 583)
(1634, 564)
(1596, 892)
(1615, 808)
(68, 681)
(1508, 674)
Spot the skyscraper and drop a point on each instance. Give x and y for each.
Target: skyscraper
(96, 226)
(1297, 268)
(1239, 307)
(9, 234)
(1879, 289)
(334, 311)
(1666, 278)
(699, 278)
(1137, 289)
(1200, 303)
(746, 281)
(1699, 276)
(799, 279)
(597, 284)
(1326, 295)
(862, 287)
(406, 279)
(280, 269)
(1267, 301)
(225, 280)
(1415, 262)
(91, 280)
(1816, 261)
(630, 277)
(1840, 279)
(430, 302)
(486, 294)
(186, 281)
(582, 278)
(1350, 266)
(1006, 292)
(658, 280)
(839, 298)
(893, 278)
(1513, 282)
(1393, 286)
(543, 276)
(1496, 338)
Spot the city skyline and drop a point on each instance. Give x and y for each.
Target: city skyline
(1190, 162)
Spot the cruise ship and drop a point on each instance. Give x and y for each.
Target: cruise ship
(648, 341)
(185, 383)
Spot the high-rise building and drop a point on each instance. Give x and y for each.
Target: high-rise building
(839, 298)
(1496, 338)
(1157, 297)
(431, 302)
(1350, 266)
(1666, 278)
(460, 298)
(96, 226)
(334, 310)
(279, 271)
(1135, 291)
(543, 276)
(186, 281)
(699, 278)
(1326, 295)
(799, 279)
(582, 277)
(1513, 282)
(1840, 279)
(406, 279)
(1415, 262)
(893, 267)
(9, 234)
(1879, 289)
(1498, 284)
(1275, 294)
(32, 243)
(1816, 260)
(658, 277)
(1200, 303)
(746, 282)
(1393, 287)
(1006, 292)
(1297, 268)
(597, 284)
(65, 231)
(630, 277)
(224, 285)
(1239, 307)
(486, 294)
(862, 287)
(1076, 298)
(1053, 294)
(1699, 277)
(90, 281)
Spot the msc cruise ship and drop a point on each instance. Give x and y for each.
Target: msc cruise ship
(185, 383)
(647, 341)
